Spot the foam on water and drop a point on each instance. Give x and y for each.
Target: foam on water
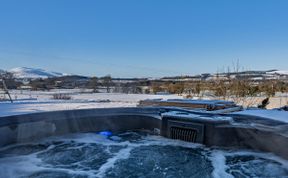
(254, 164)
(122, 154)
(135, 154)
(218, 160)
(24, 165)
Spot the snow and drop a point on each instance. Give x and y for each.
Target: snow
(281, 72)
(196, 116)
(271, 114)
(40, 101)
(32, 73)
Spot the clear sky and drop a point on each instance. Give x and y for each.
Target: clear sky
(127, 38)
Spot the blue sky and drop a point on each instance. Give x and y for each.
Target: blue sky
(128, 38)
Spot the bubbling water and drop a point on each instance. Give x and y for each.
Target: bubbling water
(132, 154)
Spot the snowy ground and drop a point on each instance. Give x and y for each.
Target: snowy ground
(39, 101)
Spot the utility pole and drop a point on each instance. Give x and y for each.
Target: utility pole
(6, 92)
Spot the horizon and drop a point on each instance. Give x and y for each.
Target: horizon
(144, 39)
(14, 69)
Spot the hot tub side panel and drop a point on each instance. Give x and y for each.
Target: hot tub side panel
(30, 127)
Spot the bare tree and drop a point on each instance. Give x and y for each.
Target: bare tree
(107, 82)
(93, 83)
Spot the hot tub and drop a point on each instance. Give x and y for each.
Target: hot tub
(144, 142)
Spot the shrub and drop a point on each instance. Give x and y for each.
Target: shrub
(61, 96)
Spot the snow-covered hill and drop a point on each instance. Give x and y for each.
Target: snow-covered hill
(32, 73)
(280, 72)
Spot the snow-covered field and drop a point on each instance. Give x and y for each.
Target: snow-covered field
(39, 101)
